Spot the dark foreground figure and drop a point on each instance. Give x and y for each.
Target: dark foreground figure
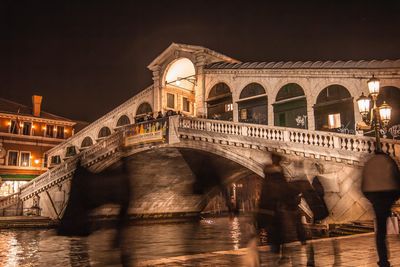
(91, 190)
(381, 186)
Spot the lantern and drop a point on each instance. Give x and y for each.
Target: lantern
(385, 112)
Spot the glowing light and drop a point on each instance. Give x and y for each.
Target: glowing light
(334, 121)
(385, 112)
(36, 161)
(179, 71)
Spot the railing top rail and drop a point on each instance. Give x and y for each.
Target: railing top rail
(100, 120)
(305, 131)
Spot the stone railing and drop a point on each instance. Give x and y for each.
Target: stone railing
(342, 143)
(91, 154)
(66, 168)
(124, 106)
(9, 200)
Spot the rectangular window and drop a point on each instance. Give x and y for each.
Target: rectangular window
(49, 130)
(185, 104)
(14, 128)
(170, 100)
(12, 158)
(26, 128)
(25, 159)
(60, 132)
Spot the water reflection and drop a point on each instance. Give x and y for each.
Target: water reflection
(147, 241)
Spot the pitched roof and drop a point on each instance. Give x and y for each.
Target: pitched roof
(193, 49)
(11, 107)
(351, 64)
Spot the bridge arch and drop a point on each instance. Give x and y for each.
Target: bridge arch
(123, 120)
(220, 102)
(143, 109)
(104, 132)
(86, 142)
(290, 107)
(253, 104)
(334, 110)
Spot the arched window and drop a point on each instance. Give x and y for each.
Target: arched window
(219, 103)
(123, 120)
(334, 110)
(104, 132)
(391, 95)
(143, 109)
(290, 107)
(253, 104)
(86, 142)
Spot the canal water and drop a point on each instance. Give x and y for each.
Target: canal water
(143, 241)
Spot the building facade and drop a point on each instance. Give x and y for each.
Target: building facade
(26, 133)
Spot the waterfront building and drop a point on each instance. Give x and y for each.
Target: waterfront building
(26, 133)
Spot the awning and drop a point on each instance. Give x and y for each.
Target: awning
(17, 177)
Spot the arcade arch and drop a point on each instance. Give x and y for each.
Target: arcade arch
(290, 107)
(219, 103)
(253, 104)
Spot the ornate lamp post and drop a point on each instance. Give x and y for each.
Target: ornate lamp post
(376, 117)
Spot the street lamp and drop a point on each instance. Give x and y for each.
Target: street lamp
(376, 117)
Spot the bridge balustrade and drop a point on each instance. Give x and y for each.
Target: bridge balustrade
(335, 141)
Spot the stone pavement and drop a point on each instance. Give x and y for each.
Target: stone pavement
(357, 250)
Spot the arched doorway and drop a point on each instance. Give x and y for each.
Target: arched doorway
(123, 120)
(253, 104)
(391, 95)
(219, 103)
(336, 104)
(180, 82)
(290, 107)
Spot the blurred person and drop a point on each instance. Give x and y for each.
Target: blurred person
(278, 211)
(381, 186)
(91, 190)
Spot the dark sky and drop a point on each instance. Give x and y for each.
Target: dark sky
(86, 57)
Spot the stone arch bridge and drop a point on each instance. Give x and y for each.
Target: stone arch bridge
(233, 114)
(239, 149)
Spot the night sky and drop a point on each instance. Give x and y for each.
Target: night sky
(86, 57)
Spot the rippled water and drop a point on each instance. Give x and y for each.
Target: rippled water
(144, 241)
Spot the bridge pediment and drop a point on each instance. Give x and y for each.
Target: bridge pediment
(192, 52)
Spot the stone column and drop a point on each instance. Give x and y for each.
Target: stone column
(199, 106)
(310, 116)
(157, 84)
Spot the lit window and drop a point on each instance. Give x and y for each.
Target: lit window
(26, 128)
(228, 107)
(185, 104)
(49, 130)
(60, 132)
(25, 159)
(12, 158)
(14, 128)
(170, 100)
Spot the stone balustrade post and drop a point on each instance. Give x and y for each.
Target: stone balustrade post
(244, 130)
(208, 126)
(286, 136)
(336, 142)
